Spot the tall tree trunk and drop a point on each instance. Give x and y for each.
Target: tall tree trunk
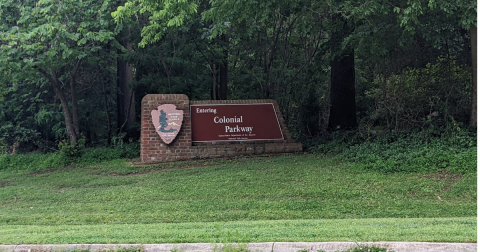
(107, 109)
(73, 92)
(342, 93)
(342, 79)
(224, 71)
(167, 71)
(473, 41)
(52, 77)
(214, 86)
(125, 108)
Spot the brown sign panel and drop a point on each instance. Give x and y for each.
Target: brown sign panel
(234, 122)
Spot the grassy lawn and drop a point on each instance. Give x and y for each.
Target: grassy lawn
(392, 229)
(283, 198)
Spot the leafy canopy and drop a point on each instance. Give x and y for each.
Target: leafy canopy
(51, 33)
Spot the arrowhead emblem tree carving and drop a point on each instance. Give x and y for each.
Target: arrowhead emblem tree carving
(167, 121)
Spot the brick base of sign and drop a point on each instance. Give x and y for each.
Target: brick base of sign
(154, 150)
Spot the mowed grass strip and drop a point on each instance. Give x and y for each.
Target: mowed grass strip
(411, 229)
(273, 188)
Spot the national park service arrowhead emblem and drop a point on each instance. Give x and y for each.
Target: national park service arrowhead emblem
(167, 121)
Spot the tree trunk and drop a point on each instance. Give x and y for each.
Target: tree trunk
(342, 93)
(214, 85)
(224, 71)
(125, 108)
(167, 71)
(473, 41)
(63, 100)
(107, 109)
(73, 92)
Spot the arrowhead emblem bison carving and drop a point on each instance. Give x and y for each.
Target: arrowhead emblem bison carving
(167, 120)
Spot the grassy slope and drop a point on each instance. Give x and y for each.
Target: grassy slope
(278, 188)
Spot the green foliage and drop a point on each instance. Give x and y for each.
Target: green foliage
(309, 112)
(276, 50)
(45, 45)
(71, 150)
(49, 34)
(463, 12)
(333, 142)
(421, 96)
(69, 155)
(31, 161)
(163, 15)
(448, 148)
(50, 119)
(454, 150)
(12, 137)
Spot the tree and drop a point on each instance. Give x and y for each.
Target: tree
(125, 94)
(342, 81)
(53, 37)
(464, 13)
(288, 49)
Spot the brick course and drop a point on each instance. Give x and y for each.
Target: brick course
(154, 150)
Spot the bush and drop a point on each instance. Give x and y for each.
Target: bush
(14, 137)
(433, 93)
(31, 161)
(68, 156)
(451, 148)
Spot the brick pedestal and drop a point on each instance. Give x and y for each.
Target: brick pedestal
(154, 150)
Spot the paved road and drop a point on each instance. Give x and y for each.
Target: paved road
(256, 247)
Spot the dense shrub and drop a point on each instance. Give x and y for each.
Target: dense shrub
(13, 137)
(74, 156)
(97, 155)
(30, 161)
(451, 147)
(433, 93)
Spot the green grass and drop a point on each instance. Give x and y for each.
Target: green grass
(263, 198)
(423, 229)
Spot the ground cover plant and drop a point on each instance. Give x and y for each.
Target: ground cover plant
(451, 147)
(313, 197)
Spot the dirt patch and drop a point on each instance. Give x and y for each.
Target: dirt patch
(443, 175)
(4, 184)
(42, 172)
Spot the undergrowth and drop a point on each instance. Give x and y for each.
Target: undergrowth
(69, 155)
(451, 148)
